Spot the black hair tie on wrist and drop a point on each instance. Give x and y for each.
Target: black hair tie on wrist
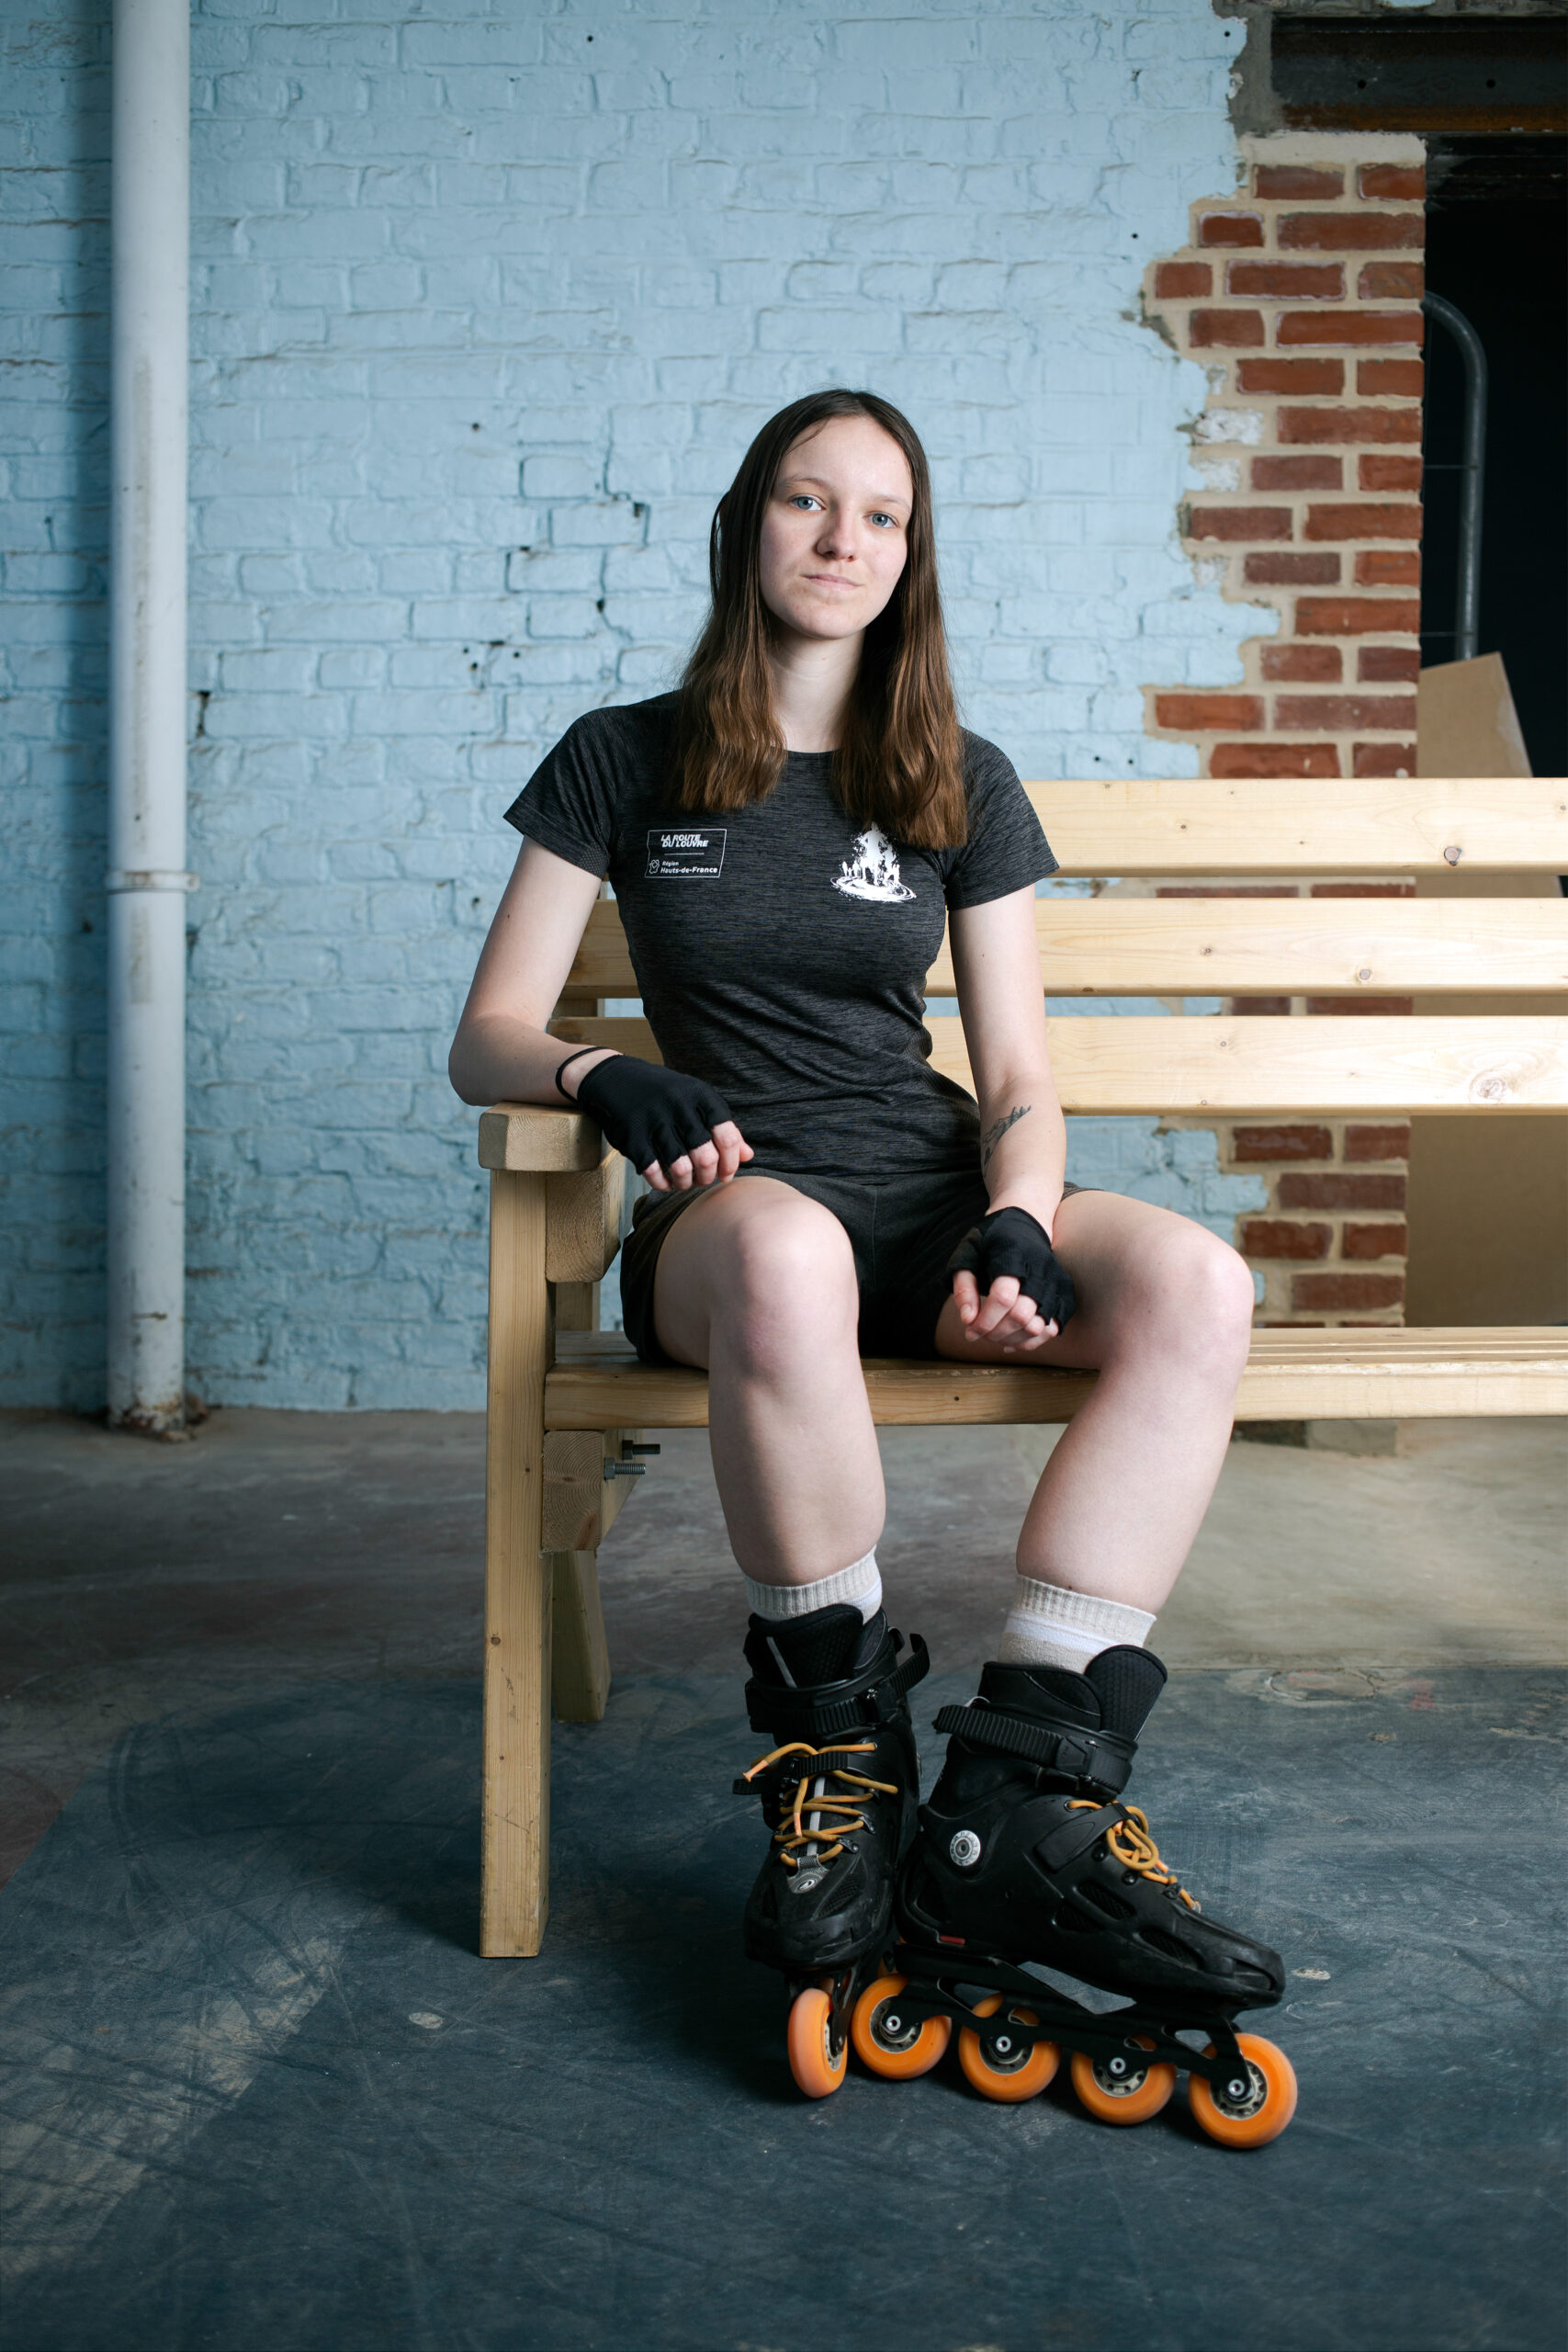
(566, 1065)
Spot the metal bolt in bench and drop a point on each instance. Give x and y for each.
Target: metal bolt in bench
(563, 1402)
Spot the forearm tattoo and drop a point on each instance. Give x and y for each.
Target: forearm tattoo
(993, 1136)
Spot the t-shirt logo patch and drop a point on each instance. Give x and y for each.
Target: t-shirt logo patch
(873, 871)
(696, 856)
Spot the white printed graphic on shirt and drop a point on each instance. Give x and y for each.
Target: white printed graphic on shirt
(873, 871)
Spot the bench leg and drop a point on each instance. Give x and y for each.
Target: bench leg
(580, 1658)
(514, 1897)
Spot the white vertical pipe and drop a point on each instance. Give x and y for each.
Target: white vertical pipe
(147, 881)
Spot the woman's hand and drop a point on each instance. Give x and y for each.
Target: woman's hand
(1010, 1284)
(675, 1130)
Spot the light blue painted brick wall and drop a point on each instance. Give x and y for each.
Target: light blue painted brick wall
(487, 302)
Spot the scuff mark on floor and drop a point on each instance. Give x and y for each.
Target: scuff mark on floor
(113, 2107)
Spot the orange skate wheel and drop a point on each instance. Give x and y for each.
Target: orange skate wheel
(811, 2059)
(1117, 2089)
(1248, 2116)
(893, 2045)
(1024, 2069)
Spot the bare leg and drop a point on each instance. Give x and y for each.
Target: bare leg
(758, 1283)
(1165, 1315)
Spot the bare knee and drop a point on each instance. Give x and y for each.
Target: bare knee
(1207, 1301)
(781, 1282)
(1191, 1299)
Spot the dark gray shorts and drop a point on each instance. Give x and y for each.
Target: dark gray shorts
(903, 1230)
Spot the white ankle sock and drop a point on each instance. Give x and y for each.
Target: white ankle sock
(1048, 1626)
(859, 1585)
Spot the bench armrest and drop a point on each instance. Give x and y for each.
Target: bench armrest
(583, 1221)
(585, 1182)
(527, 1139)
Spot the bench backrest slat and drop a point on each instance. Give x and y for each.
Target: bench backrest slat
(1237, 946)
(1107, 1064)
(1127, 825)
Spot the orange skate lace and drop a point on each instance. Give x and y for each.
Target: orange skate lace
(844, 1814)
(1130, 1841)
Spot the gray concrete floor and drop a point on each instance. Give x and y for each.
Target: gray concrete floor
(138, 1579)
(260, 2090)
(261, 2096)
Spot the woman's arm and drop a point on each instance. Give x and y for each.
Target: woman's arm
(501, 1052)
(1023, 1138)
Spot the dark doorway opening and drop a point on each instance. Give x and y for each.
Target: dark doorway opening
(1497, 248)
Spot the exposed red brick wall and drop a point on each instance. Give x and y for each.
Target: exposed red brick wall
(1331, 1246)
(1300, 297)
(1312, 437)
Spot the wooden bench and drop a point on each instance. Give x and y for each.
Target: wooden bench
(564, 1398)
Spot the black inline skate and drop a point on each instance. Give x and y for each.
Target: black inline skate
(1025, 1853)
(839, 1792)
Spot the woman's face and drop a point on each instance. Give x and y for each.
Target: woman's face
(835, 529)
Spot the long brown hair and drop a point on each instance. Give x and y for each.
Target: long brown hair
(900, 764)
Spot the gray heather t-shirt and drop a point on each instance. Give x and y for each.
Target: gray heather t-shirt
(781, 950)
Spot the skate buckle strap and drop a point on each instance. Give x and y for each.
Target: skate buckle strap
(814, 1821)
(1104, 1758)
(787, 1712)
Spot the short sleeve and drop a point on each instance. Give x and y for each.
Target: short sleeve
(568, 803)
(1007, 848)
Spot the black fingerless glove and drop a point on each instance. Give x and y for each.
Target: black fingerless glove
(1011, 1241)
(650, 1112)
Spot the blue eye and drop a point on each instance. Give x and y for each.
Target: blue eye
(804, 498)
(890, 520)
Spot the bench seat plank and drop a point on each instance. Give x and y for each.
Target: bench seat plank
(1107, 1063)
(1380, 1374)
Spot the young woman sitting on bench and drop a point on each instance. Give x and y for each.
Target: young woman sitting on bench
(786, 835)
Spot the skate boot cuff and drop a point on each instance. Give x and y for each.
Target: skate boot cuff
(1104, 1758)
(877, 1695)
